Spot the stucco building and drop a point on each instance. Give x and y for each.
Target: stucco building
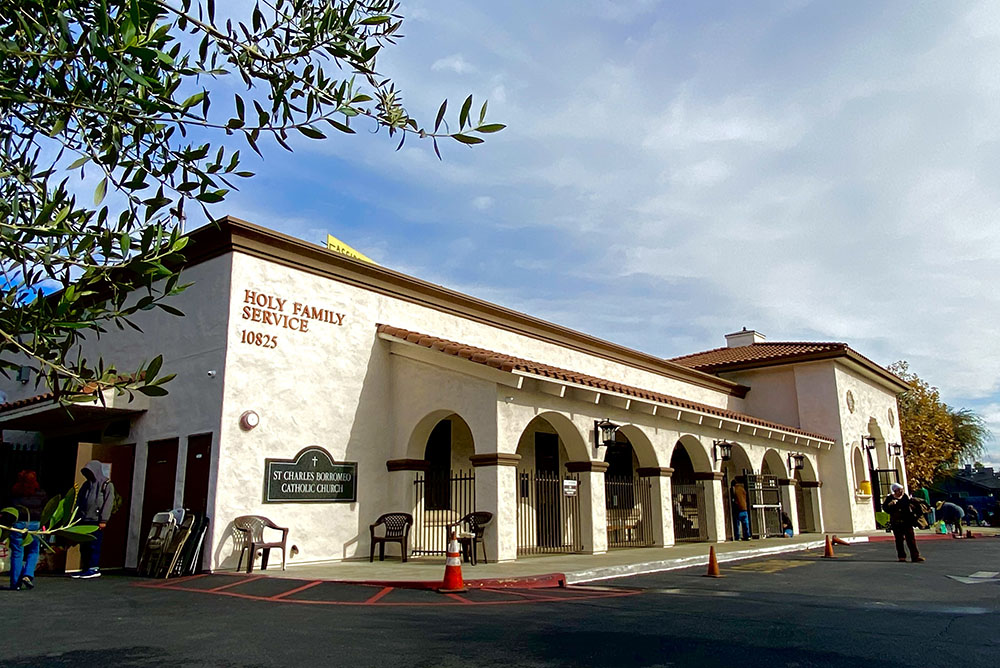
(428, 401)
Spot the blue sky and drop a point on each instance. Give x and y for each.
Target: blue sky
(672, 172)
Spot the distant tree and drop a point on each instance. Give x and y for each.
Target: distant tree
(118, 92)
(936, 437)
(971, 433)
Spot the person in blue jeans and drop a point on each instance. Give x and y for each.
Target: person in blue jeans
(95, 501)
(742, 514)
(28, 495)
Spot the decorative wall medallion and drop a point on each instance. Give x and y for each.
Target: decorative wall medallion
(892, 418)
(850, 401)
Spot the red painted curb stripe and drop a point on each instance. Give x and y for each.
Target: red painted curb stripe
(308, 585)
(383, 592)
(235, 584)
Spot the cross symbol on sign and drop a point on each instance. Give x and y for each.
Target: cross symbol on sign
(314, 462)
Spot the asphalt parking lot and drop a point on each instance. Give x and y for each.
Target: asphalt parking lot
(862, 608)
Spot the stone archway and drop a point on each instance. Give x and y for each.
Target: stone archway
(632, 507)
(440, 449)
(807, 498)
(547, 520)
(734, 472)
(689, 502)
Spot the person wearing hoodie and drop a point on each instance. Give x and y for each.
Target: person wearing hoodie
(94, 502)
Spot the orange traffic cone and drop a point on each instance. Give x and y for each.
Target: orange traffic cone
(713, 565)
(453, 569)
(828, 549)
(839, 541)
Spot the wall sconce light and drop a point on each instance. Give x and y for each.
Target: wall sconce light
(722, 451)
(896, 449)
(796, 461)
(249, 420)
(868, 442)
(605, 432)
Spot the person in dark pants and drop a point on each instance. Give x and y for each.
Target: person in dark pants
(903, 513)
(742, 516)
(28, 495)
(952, 515)
(94, 501)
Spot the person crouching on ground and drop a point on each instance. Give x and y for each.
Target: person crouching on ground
(952, 515)
(95, 501)
(29, 495)
(786, 525)
(902, 516)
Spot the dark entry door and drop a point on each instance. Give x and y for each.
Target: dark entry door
(161, 473)
(548, 490)
(114, 542)
(882, 480)
(197, 472)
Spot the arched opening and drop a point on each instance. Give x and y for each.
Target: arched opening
(688, 459)
(860, 469)
(548, 506)
(735, 489)
(806, 497)
(627, 496)
(775, 467)
(445, 490)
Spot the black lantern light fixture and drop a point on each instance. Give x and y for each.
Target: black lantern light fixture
(796, 461)
(722, 451)
(868, 442)
(896, 449)
(605, 432)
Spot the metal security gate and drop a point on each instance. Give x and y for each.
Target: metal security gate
(439, 500)
(628, 506)
(548, 512)
(764, 501)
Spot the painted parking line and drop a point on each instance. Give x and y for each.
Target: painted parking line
(768, 566)
(244, 587)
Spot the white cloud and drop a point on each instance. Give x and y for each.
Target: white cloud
(454, 63)
(482, 203)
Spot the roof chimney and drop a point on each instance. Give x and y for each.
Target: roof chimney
(747, 337)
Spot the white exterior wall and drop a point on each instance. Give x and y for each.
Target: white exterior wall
(818, 392)
(339, 386)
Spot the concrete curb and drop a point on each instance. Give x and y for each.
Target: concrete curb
(923, 536)
(608, 572)
(545, 581)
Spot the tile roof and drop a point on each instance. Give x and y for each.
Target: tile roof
(766, 353)
(511, 363)
(758, 352)
(29, 401)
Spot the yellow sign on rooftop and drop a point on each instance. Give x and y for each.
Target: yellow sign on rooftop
(338, 246)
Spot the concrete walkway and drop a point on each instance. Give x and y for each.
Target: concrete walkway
(577, 568)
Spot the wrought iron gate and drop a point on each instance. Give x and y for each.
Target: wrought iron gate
(764, 501)
(548, 512)
(629, 511)
(439, 500)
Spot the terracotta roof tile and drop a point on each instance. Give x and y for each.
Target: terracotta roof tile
(758, 352)
(511, 363)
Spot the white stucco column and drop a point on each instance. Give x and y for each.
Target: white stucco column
(715, 514)
(593, 511)
(789, 504)
(496, 492)
(662, 513)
